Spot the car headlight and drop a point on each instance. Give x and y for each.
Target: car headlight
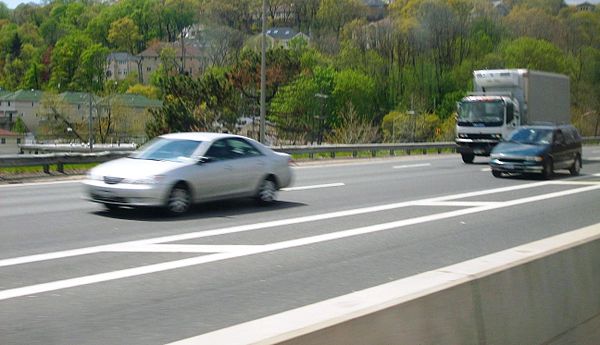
(95, 177)
(145, 180)
(497, 136)
(495, 156)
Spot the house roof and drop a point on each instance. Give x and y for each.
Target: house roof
(192, 49)
(132, 100)
(77, 97)
(23, 96)
(5, 133)
(121, 56)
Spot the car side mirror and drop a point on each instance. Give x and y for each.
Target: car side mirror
(204, 160)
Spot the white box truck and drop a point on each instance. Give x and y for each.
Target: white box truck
(504, 100)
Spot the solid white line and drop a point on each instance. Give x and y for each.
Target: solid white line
(486, 169)
(15, 185)
(265, 225)
(457, 203)
(329, 185)
(132, 272)
(179, 248)
(408, 166)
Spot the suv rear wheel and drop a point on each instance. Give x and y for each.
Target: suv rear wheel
(576, 167)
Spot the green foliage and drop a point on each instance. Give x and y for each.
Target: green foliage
(420, 57)
(535, 54)
(19, 126)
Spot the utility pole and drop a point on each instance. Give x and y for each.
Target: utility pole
(91, 125)
(263, 73)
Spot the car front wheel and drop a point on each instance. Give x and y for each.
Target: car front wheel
(548, 169)
(180, 200)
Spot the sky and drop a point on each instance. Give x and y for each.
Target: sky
(15, 3)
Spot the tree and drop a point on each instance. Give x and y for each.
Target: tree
(66, 58)
(352, 128)
(334, 14)
(535, 54)
(124, 35)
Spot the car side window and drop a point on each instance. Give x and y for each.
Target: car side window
(568, 133)
(219, 151)
(559, 138)
(239, 148)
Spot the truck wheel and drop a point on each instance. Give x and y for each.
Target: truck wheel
(467, 157)
(576, 167)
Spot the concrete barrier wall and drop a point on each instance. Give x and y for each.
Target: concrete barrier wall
(545, 292)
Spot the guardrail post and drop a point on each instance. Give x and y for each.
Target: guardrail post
(332, 154)
(373, 153)
(46, 168)
(424, 151)
(408, 152)
(392, 153)
(60, 167)
(354, 154)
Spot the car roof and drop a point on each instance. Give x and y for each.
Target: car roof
(199, 136)
(549, 126)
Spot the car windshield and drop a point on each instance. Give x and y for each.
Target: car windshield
(532, 136)
(489, 113)
(163, 149)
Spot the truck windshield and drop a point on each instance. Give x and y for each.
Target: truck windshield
(481, 113)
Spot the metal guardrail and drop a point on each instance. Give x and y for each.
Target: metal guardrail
(60, 159)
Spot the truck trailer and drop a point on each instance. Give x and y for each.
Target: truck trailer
(504, 100)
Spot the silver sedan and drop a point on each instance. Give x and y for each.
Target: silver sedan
(176, 170)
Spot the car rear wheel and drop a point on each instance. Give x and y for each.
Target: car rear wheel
(548, 169)
(468, 157)
(180, 200)
(576, 167)
(267, 192)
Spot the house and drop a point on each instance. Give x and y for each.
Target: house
(376, 9)
(23, 104)
(282, 36)
(9, 142)
(500, 7)
(120, 65)
(585, 7)
(129, 114)
(190, 59)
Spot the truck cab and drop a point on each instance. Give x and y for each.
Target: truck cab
(482, 122)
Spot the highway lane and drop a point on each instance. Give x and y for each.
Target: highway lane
(245, 276)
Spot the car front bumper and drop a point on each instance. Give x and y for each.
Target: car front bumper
(124, 194)
(516, 166)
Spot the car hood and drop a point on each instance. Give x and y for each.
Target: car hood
(135, 168)
(518, 149)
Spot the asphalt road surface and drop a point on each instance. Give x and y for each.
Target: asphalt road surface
(73, 273)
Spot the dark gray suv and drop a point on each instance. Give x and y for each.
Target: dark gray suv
(538, 149)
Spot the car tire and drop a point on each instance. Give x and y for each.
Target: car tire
(576, 167)
(267, 192)
(467, 157)
(179, 200)
(112, 207)
(497, 173)
(548, 169)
